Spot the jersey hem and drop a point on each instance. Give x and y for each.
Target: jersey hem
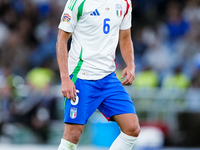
(92, 77)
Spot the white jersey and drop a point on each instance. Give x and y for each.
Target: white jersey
(95, 26)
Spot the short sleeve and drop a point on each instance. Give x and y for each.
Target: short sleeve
(127, 20)
(69, 17)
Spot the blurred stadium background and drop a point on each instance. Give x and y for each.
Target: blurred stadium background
(166, 91)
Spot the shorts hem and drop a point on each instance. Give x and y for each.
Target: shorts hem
(110, 118)
(66, 122)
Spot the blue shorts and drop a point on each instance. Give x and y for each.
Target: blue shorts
(107, 95)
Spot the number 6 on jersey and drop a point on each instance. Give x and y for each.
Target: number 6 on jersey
(106, 26)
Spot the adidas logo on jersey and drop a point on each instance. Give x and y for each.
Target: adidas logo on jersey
(95, 13)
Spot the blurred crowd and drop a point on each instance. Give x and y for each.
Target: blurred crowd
(28, 32)
(166, 39)
(165, 33)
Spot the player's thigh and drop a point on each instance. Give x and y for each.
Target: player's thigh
(72, 132)
(88, 99)
(117, 100)
(129, 123)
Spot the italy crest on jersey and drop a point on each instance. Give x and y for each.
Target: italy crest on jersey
(118, 8)
(73, 112)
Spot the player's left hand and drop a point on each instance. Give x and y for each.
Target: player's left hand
(129, 72)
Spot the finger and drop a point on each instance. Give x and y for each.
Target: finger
(125, 82)
(72, 95)
(128, 84)
(68, 96)
(129, 80)
(72, 98)
(74, 90)
(64, 94)
(123, 74)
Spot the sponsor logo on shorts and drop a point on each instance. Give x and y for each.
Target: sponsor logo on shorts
(66, 18)
(73, 112)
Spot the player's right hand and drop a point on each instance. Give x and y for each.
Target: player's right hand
(68, 89)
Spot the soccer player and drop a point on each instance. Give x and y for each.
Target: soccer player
(87, 71)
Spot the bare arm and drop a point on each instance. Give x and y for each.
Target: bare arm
(67, 86)
(127, 51)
